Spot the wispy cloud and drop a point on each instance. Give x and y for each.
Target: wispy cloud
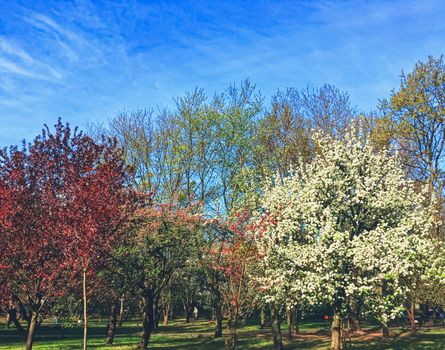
(87, 60)
(11, 49)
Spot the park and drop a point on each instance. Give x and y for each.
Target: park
(230, 217)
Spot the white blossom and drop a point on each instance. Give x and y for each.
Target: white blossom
(348, 225)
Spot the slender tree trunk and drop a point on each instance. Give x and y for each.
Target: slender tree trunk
(412, 318)
(231, 337)
(24, 315)
(31, 331)
(166, 313)
(262, 317)
(290, 322)
(12, 314)
(297, 321)
(385, 331)
(187, 313)
(147, 318)
(219, 322)
(8, 320)
(111, 329)
(336, 331)
(356, 325)
(276, 330)
(121, 311)
(157, 315)
(354, 319)
(85, 319)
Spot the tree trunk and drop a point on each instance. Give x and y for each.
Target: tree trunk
(24, 315)
(157, 314)
(297, 321)
(290, 322)
(187, 314)
(262, 317)
(147, 318)
(412, 318)
(219, 322)
(121, 311)
(276, 330)
(231, 337)
(336, 331)
(356, 326)
(385, 331)
(85, 319)
(31, 331)
(12, 318)
(354, 319)
(166, 313)
(111, 329)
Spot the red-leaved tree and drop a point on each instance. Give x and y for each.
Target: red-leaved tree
(64, 200)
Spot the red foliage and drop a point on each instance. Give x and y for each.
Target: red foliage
(63, 201)
(233, 255)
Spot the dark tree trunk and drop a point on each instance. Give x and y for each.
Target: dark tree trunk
(187, 313)
(230, 340)
(157, 314)
(31, 331)
(111, 328)
(12, 318)
(147, 318)
(276, 330)
(385, 332)
(219, 322)
(24, 315)
(336, 331)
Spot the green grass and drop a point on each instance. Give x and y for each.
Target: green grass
(198, 336)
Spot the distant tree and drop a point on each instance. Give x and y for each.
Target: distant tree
(416, 115)
(284, 134)
(239, 108)
(285, 131)
(329, 109)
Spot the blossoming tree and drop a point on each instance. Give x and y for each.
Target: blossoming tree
(348, 225)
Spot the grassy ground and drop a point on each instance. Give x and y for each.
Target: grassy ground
(198, 336)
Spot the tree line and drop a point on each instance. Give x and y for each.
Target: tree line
(233, 205)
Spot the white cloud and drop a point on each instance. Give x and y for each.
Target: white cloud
(13, 50)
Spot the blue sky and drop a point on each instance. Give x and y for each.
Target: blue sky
(88, 60)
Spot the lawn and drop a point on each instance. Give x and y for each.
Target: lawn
(198, 336)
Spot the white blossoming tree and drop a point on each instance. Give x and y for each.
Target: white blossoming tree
(348, 225)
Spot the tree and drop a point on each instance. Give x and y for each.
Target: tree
(70, 199)
(159, 243)
(416, 115)
(235, 256)
(347, 225)
(284, 134)
(239, 109)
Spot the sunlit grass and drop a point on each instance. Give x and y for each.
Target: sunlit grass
(198, 335)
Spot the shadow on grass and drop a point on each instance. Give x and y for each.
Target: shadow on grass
(198, 335)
